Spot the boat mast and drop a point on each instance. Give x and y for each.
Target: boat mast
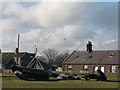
(18, 62)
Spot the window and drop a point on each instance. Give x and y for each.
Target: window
(102, 69)
(113, 68)
(69, 67)
(7, 54)
(89, 56)
(118, 66)
(76, 56)
(113, 54)
(1, 54)
(31, 56)
(17, 60)
(95, 68)
(85, 67)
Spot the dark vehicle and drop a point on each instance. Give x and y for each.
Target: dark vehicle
(36, 70)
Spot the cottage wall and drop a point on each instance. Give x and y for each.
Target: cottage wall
(80, 69)
(64, 67)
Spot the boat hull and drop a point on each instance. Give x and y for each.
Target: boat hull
(31, 74)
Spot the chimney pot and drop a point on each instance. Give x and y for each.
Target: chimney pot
(89, 47)
(16, 50)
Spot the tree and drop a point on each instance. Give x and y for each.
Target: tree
(42, 58)
(50, 55)
(60, 58)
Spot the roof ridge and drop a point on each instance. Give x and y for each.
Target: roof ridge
(68, 56)
(98, 50)
(11, 52)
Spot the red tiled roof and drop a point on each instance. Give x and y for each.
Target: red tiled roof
(95, 57)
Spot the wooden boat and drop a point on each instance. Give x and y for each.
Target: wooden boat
(36, 70)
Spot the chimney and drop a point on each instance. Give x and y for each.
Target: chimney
(18, 42)
(89, 47)
(16, 50)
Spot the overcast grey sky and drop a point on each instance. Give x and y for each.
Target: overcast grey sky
(48, 23)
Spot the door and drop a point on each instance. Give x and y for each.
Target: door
(95, 68)
(102, 69)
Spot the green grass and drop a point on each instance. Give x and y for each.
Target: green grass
(11, 81)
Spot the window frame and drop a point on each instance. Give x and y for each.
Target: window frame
(69, 67)
(101, 69)
(95, 68)
(113, 70)
(85, 67)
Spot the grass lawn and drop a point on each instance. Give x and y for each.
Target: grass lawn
(11, 81)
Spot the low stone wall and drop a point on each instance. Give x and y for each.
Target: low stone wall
(7, 71)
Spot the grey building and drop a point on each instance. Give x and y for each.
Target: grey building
(12, 58)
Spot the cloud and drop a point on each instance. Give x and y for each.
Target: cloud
(41, 15)
(48, 23)
(51, 38)
(9, 43)
(109, 42)
(105, 16)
